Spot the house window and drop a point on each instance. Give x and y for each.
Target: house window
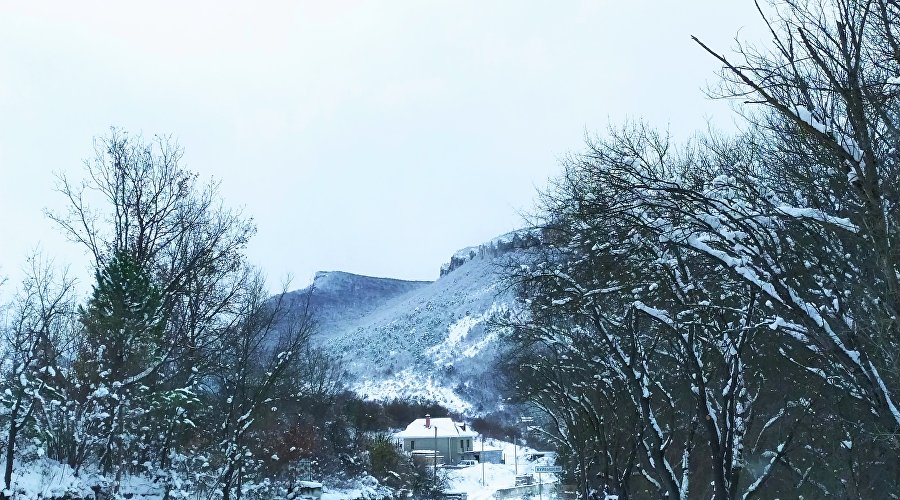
(412, 445)
(461, 445)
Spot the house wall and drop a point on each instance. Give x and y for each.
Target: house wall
(451, 448)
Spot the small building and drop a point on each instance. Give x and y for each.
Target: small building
(427, 457)
(485, 455)
(489, 455)
(449, 439)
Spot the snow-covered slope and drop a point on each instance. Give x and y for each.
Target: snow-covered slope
(432, 340)
(339, 298)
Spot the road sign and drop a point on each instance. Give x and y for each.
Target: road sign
(544, 469)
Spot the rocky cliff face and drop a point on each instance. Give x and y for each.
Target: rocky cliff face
(509, 242)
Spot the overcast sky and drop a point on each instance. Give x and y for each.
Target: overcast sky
(369, 137)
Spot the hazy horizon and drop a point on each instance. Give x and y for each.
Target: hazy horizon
(371, 138)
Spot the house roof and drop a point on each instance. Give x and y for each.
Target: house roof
(446, 427)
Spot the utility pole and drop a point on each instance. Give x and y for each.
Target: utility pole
(481, 459)
(526, 421)
(515, 455)
(435, 456)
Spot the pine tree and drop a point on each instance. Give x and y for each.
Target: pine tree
(123, 321)
(119, 362)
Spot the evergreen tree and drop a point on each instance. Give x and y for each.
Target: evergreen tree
(123, 322)
(119, 360)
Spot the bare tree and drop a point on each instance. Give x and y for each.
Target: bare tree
(253, 375)
(139, 209)
(677, 342)
(830, 97)
(37, 325)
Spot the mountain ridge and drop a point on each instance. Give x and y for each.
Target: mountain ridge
(430, 340)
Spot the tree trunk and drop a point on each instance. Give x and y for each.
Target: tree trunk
(11, 447)
(226, 482)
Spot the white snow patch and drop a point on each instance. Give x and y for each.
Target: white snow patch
(409, 385)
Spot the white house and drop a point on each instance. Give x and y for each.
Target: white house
(448, 438)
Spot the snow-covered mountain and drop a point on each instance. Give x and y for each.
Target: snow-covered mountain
(412, 339)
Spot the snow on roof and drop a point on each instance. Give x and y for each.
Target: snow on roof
(446, 427)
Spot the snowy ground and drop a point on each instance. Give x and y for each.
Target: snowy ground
(496, 476)
(366, 489)
(46, 478)
(50, 479)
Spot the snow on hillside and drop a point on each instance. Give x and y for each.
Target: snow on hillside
(430, 340)
(457, 342)
(408, 384)
(340, 297)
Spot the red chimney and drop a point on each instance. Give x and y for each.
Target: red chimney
(428, 421)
